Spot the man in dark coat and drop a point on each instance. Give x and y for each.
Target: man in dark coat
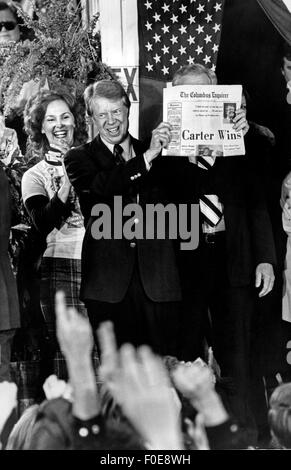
(232, 265)
(131, 280)
(9, 307)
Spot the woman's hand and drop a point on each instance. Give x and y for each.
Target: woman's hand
(57, 150)
(64, 191)
(56, 388)
(61, 145)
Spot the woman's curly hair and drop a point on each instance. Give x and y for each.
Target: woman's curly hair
(34, 114)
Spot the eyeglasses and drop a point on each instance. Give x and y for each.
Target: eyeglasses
(8, 25)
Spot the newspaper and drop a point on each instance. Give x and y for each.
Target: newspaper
(202, 120)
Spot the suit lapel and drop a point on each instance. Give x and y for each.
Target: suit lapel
(101, 154)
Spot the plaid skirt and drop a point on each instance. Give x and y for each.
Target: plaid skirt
(59, 274)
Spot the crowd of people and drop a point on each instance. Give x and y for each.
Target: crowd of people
(178, 332)
(145, 402)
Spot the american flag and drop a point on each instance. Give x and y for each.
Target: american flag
(173, 33)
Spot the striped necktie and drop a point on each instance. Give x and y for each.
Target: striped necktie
(117, 153)
(210, 206)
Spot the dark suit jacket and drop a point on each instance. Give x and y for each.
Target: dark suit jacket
(249, 237)
(107, 264)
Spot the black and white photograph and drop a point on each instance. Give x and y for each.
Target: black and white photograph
(209, 151)
(145, 298)
(229, 111)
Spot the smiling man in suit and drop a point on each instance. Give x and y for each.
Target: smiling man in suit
(132, 282)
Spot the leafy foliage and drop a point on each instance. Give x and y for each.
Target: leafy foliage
(62, 52)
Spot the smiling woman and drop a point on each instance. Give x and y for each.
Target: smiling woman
(58, 124)
(54, 123)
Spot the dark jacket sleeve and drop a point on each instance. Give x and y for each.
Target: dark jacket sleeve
(235, 181)
(47, 214)
(99, 433)
(262, 232)
(103, 180)
(226, 436)
(86, 434)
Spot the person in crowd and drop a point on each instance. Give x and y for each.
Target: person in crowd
(13, 30)
(57, 408)
(9, 21)
(280, 417)
(9, 314)
(11, 156)
(54, 122)
(269, 333)
(13, 139)
(14, 166)
(133, 282)
(78, 425)
(194, 383)
(234, 259)
(23, 239)
(149, 411)
(20, 238)
(20, 436)
(140, 384)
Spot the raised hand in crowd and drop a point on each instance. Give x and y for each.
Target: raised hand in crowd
(8, 401)
(55, 388)
(75, 338)
(147, 399)
(109, 361)
(64, 191)
(139, 383)
(196, 382)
